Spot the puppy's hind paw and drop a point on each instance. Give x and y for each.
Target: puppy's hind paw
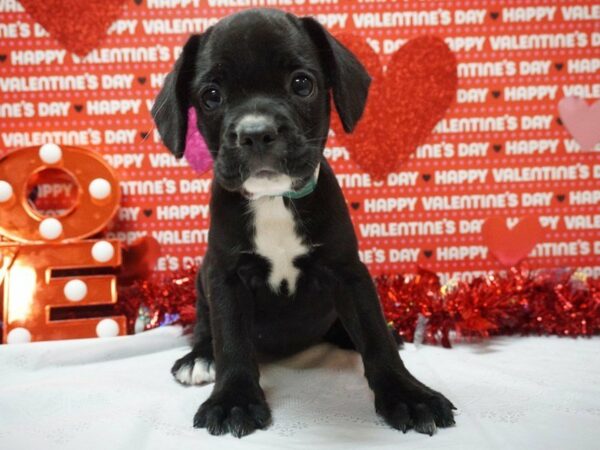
(193, 370)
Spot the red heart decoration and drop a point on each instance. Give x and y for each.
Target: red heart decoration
(78, 25)
(404, 103)
(510, 246)
(139, 259)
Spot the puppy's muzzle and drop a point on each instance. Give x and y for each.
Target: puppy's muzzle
(256, 133)
(258, 136)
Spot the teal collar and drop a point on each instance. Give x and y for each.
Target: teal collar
(307, 189)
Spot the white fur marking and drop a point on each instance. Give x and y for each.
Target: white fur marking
(199, 373)
(253, 121)
(259, 187)
(276, 239)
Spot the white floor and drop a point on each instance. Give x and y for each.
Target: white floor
(512, 393)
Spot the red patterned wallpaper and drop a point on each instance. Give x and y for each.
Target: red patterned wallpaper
(501, 149)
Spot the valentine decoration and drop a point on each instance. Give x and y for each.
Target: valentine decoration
(139, 260)
(420, 307)
(152, 303)
(196, 151)
(107, 328)
(21, 223)
(79, 26)
(519, 301)
(75, 290)
(510, 246)
(582, 120)
(6, 191)
(45, 266)
(500, 148)
(404, 103)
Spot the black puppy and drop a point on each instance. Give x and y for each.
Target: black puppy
(282, 270)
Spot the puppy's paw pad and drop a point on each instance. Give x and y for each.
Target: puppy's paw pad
(195, 371)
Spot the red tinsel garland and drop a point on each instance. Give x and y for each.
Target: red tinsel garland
(159, 302)
(559, 302)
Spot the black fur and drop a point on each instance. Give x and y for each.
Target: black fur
(250, 56)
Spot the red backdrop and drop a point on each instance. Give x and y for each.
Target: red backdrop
(501, 149)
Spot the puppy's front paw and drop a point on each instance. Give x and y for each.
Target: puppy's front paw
(421, 409)
(234, 412)
(193, 370)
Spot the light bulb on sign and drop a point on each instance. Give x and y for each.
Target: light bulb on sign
(18, 335)
(50, 228)
(107, 328)
(75, 290)
(99, 189)
(103, 251)
(6, 191)
(50, 153)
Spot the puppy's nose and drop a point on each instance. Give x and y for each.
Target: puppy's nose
(256, 133)
(257, 137)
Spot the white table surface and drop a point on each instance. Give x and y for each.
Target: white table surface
(117, 393)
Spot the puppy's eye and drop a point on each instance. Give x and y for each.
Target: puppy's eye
(302, 85)
(211, 98)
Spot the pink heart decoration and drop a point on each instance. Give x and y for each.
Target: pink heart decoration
(196, 151)
(582, 120)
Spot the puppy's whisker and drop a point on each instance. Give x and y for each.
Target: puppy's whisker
(158, 110)
(285, 167)
(311, 128)
(149, 133)
(241, 174)
(313, 141)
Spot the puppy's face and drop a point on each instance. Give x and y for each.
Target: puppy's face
(259, 81)
(262, 102)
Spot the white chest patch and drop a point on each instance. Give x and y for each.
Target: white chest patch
(276, 239)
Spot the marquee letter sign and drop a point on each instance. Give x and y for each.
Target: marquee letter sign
(41, 252)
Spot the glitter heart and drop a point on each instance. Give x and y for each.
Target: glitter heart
(79, 26)
(404, 104)
(196, 151)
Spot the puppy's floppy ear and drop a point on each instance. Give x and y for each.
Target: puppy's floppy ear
(170, 109)
(346, 75)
